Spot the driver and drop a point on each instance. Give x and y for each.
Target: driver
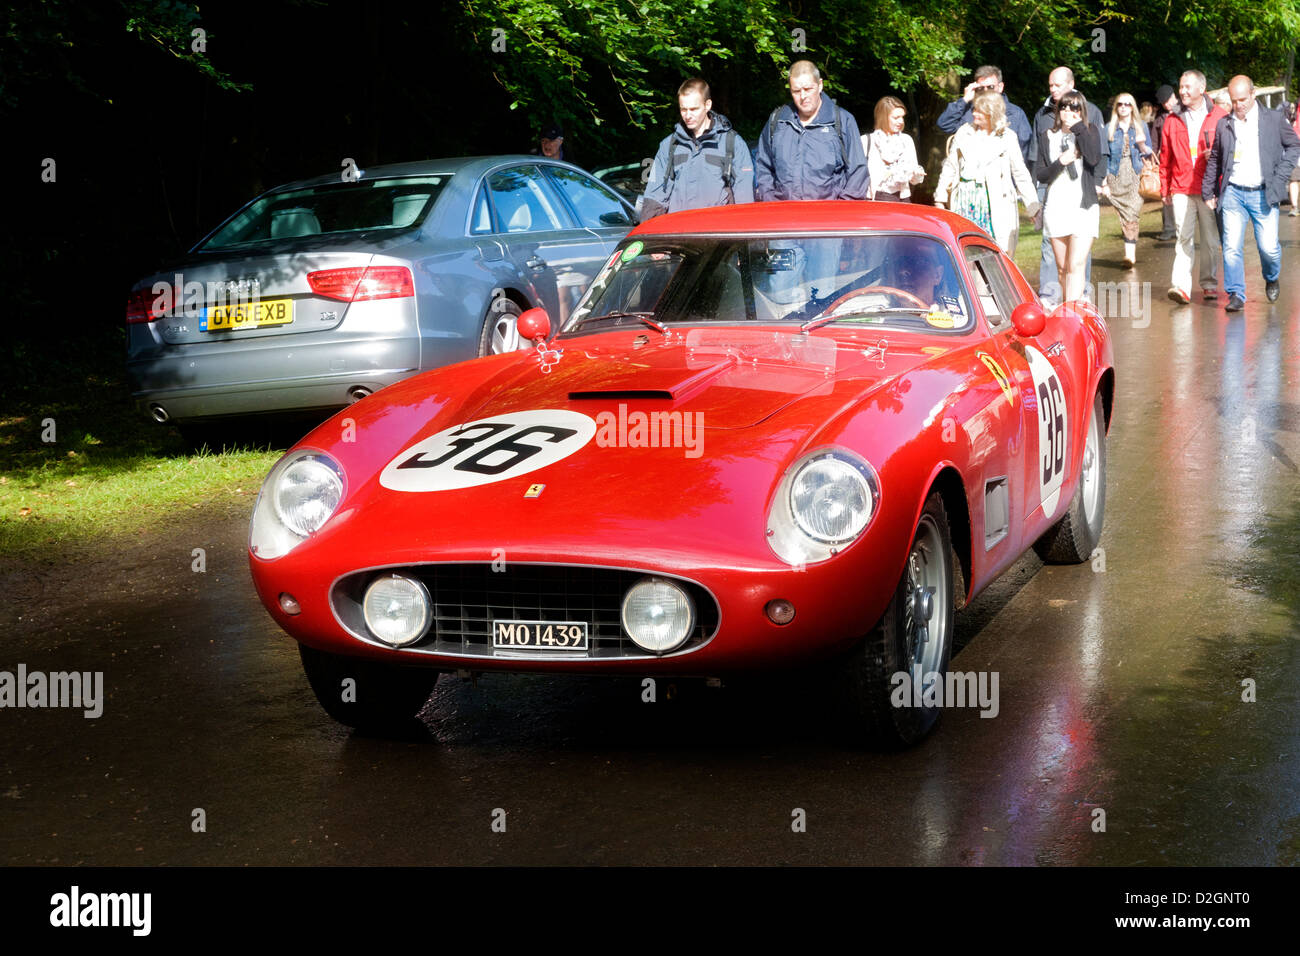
(917, 269)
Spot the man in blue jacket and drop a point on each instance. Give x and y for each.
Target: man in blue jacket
(702, 163)
(960, 111)
(811, 149)
(1246, 174)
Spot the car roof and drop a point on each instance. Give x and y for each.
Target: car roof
(463, 165)
(844, 215)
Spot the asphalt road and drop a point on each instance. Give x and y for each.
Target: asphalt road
(1121, 690)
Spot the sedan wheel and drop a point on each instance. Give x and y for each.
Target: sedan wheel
(894, 673)
(500, 329)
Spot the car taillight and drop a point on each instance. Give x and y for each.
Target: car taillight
(139, 307)
(357, 283)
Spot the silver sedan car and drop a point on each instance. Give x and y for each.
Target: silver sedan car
(319, 292)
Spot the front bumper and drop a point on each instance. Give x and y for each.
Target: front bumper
(833, 610)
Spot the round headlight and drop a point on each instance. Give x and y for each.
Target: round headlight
(397, 610)
(831, 500)
(657, 615)
(306, 494)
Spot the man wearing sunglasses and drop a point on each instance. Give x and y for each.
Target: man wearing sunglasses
(961, 111)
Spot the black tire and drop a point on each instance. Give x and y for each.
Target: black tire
(893, 646)
(500, 328)
(1073, 538)
(385, 698)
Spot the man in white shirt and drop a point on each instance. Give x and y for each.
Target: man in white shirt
(1246, 176)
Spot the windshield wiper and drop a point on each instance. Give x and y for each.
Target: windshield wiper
(645, 317)
(818, 321)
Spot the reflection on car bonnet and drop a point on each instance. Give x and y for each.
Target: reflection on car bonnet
(766, 360)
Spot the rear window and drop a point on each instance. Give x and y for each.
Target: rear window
(363, 206)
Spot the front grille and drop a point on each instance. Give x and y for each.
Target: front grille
(467, 598)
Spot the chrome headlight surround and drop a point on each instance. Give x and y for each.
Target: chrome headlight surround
(823, 504)
(301, 493)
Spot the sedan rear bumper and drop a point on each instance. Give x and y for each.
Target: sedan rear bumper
(186, 383)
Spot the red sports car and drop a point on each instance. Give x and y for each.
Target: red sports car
(769, 434)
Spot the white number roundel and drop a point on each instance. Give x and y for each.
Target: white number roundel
(1053, 429)
(488, 450)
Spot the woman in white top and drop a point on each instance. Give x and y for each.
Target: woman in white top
(1067, 163)
(984, 173)
(891, 154)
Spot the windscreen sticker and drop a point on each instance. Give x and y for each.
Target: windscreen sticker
(488, 450)
(1053, 429)
(939, 320)
(952, 304)
(633, 250)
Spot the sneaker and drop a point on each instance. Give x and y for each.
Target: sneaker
(1235, 303)
(1209, 295)
(1294, 212)
(1178, 295)
(1129, 263)
(1272, 289)
(1167, 237)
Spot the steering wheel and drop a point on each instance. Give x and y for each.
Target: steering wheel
(872, 288)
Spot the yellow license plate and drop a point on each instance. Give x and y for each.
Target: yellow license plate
(247, 315)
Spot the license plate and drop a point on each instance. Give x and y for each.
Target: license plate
(539, 635)
(246, 315)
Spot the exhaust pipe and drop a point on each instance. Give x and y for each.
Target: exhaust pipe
(159, 413)
(357, 392)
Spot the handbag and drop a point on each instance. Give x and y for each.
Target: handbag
(1149, 180)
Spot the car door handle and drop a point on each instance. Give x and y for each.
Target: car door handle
(536, 263)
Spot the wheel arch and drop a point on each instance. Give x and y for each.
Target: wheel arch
(1106, 385)
(948, 483)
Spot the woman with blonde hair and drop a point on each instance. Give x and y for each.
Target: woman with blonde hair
(891, 154)
(984, 173)
(1127, 135)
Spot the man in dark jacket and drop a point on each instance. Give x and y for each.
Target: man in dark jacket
(1246, 175)
(1059, 82)
(702, 163)
(960, 111)
(811, 149)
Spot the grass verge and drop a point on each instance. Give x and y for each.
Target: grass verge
(80, 466)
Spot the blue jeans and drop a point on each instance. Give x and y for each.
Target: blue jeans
(1237, 206)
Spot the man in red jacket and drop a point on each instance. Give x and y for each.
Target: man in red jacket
(1185, 142)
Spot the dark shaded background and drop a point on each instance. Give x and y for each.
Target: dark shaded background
(151, 153)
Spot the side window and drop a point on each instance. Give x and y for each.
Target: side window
(481, 221)
(523, 201)
(596, 206)
(992, 286)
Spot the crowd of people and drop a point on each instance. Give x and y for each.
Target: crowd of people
(1219, 166)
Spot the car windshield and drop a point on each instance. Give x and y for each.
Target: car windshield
(893, 279)
(364, 205)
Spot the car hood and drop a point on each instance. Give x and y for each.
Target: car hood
(748, 402)
(733, 378)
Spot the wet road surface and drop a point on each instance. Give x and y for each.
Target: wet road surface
(1121, 689)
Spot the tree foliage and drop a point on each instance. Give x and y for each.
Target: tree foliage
(574, 59)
